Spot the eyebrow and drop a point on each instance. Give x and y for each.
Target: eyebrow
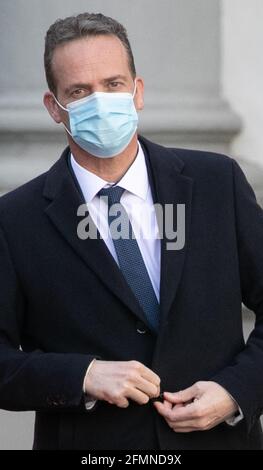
(115, 77)
(104, 81)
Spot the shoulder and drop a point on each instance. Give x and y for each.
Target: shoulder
(196, 162)
(212, 170)
(203, 160)
(24, 198)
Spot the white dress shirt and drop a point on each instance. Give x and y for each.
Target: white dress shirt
(138, 203)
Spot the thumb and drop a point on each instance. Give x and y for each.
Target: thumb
(167, 404)
(188, 394)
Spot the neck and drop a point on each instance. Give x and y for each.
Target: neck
(109, 169)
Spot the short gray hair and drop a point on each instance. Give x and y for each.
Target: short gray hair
(77, 27)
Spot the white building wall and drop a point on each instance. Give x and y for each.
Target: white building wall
(242, 80)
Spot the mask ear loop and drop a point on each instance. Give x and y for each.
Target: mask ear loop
(60, 105)
(135, 88)
(64, 109)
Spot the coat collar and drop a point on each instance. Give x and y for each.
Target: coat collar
(169, 186)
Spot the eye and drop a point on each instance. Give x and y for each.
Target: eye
(115, 84)
(78, 93)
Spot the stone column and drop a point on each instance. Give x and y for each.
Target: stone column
(242, 37)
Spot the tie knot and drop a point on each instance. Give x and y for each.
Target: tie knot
(113, 193)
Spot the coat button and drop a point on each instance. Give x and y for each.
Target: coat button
(141, 328)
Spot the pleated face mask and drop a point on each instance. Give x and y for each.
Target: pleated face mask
(102, 124)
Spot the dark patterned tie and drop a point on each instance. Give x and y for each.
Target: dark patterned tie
(130, 258)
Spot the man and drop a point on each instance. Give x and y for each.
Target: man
(128, 343)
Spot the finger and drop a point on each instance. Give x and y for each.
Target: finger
(185, 413)
(179, 413)
(186, 426)
(148, 387)
(121, 402)
(189, 424)
(163, 410)
(167, 410)
(149, 375)
(193, 425)
(183, 396)
(138, 396)
(167, 404)
(184, 430)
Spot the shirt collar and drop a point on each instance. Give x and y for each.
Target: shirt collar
(135, 179)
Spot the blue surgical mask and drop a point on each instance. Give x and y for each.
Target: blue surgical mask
(102, 124)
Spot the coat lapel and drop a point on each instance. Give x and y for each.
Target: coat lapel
(169, 186)
(64, 200)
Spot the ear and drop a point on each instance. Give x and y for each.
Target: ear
(139, 94)
(52, 107)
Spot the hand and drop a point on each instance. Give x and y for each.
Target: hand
(116, 382)
(197, 408)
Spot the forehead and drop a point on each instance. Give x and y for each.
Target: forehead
(89, 59)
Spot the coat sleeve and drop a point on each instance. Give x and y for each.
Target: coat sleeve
(243, 379)
(35, 380)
